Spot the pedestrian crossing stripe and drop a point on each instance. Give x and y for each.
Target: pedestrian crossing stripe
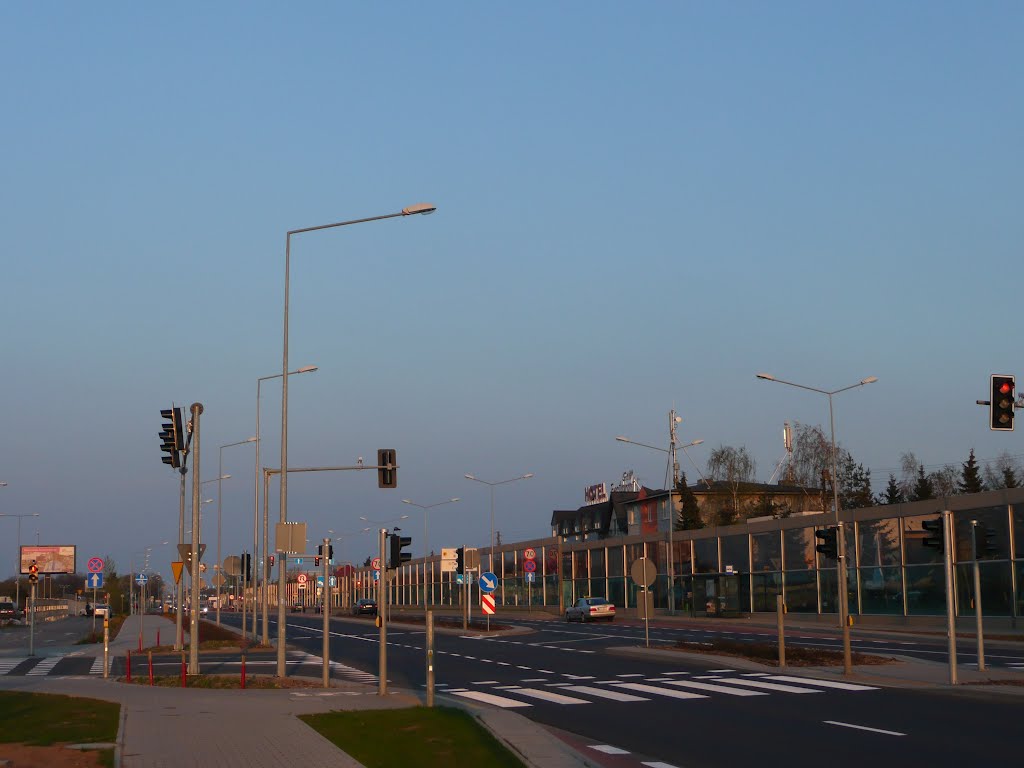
(487, 698)
(6, 665)
(760, 683)
(44, 666)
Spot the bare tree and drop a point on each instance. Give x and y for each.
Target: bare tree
(733, 466)
(1003, 472)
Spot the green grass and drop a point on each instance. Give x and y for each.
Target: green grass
(426, 738)
(42, 719)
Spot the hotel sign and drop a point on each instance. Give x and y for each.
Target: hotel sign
(595, 494)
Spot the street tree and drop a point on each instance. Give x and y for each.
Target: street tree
(945, 481)
(970, 478)
(893, 493)
(854, 484)
(1003, 472)
(923, 488)
(734, 467)
(689, 510)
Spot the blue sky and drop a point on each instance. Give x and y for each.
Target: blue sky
(640, 206)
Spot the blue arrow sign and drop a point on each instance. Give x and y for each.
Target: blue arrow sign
(320, 581)
(94, 581)
(488, 582)
(460, 579)
(333, 582)
(376, 575)
(141, 578)
(531, 577)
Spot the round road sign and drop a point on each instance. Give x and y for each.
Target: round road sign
(95, 565)
(529, 566)
(301, 578)
(375, 563)
(530, 554)
(643, 572)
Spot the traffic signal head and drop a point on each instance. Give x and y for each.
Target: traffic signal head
(397, 555)
(933, 527)
(270, 560)
(460, 560)
(247, 566)
(172, 442)
(387, 470)
(1001, 400)
(316, 560)
(829, 545)
(330, 553)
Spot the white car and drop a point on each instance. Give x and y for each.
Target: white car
(590, 609)
(102, 610)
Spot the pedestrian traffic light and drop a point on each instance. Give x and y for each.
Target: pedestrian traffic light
(171, 440)
(316, 560)
(460, 560)
(935, 540)
(397, 555)
(387, 470)
(984, 540)
(829, 546)
(270, 561)
(1001, 403)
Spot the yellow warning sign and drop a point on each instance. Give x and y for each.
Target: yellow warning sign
(176, 570)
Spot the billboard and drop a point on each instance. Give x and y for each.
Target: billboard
(52, 559)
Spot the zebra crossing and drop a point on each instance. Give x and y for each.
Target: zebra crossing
(340, 670)
(633, 688)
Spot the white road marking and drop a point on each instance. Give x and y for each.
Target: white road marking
(487, 698)
(715, 688)
(640, 687)
(864, 728)
(551, 696)
(768, 686)
(605, 694)
(823, 683)
(608, 749)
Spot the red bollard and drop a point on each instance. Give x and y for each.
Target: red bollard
(129, 666)
(243, 670)
(158, 637)
(150, 667)
(184, 676)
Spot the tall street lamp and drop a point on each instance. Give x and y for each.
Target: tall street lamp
(418, 208)
(17, 570)
(426, 547)
(527, 476)
(840, 533)
(256, 498)
(220, 476)
(673, 420)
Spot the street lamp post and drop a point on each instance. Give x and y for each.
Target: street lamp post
(673, 420)
(418, 208)
(840, 533)
(17, 570)
(220, 571)
(256, 551)
(527, 476)
(426, 547)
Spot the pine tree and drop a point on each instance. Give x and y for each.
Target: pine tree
(854, 484)
(893, 492)
(1010, 478)
(970, 479)
(923, 488)
(689, 514)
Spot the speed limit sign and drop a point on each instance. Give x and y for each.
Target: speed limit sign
(530, 554)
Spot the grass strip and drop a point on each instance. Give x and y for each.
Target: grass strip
(437, 737)
(43, 719)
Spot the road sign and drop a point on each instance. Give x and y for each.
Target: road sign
(94, 581)
(232, 565)
(488, 582)
(487, 604)
(529, 566)
(219, 580)
(530, 553)
(301, 578)
(376, 575)
(302, 585)
(449, 560)
(375, 563)
(643, 572)
(531, 577)
(333, 582)
(141, 579)
(176, 570)
(460, 579)
(185, 552)
(95, 565)
(319, 582)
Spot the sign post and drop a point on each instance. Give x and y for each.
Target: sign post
(643, 572)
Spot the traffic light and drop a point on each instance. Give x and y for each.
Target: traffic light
(247, 566)
(387, 470)
(270, 561)
(33, 572)
(829, 546)
(984, 540)
(397, 555)
(1001, 403)
(171, 439)
(460, 560)
(934, 527)
(330, 553)
(316, 560)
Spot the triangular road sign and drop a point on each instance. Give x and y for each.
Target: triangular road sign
(176, 570)
(185, 551)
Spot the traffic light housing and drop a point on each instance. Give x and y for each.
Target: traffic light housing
(397, 555)
(247, 566)
(460, 560)
(829, 546)
(1001, 401)
(33, 572)
(316, 560)
(935, 540)
(387, 470)
(270, 561)
(330, 553)
(172, 440)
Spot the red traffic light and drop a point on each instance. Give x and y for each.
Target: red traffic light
(1005, 388)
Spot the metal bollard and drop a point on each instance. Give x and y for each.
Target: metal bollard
(184, 669)
(129, 666)
(150, 654)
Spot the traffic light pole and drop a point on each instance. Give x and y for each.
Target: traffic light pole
(947, 552)
(193, 614)
(382, 617)
(327, 615)
(977, 596)
(179, 584)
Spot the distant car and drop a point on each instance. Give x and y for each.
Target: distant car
(7, 611)
(298, 606)
(102, 610)
(203, 610)
(365, 607)
(590, 609)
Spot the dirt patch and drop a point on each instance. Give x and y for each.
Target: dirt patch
(225, 682)
(1000, 682)
(56, 756)
(768, 653)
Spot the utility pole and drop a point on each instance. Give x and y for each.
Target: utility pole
(382, 616)
(193, 637)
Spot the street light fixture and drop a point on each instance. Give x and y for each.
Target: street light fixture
(426, 548)
(841, 534)
(673, 420)
(256, 507)
(412, 210)
(220, 476)
(527, 476)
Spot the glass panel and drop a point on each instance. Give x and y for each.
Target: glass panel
(827, 588)
(767, 552)
(705, 555)
(615, 567)
(879, 542)
(581, 564)
(993, 535)
(1018, 536)
(913, 543)
(881, 590)
(683, 558)
(996, 588)
(736, 553)
(799, 546)
(801, 592)
(597, 569)
(766, 587)
(926, 590)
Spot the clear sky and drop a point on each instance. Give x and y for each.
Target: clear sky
(640, 206)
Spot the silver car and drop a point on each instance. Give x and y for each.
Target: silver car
(590, 609)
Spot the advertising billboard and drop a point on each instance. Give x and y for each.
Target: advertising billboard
(51, 559)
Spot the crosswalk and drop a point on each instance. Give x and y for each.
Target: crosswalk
(632, 688)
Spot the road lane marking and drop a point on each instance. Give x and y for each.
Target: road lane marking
(551, 696)
(608, 749)
(768, 686)
(864, 728)
(823, 683)
(487, 698)
(605, 693)
(715, 688)
(672, 694)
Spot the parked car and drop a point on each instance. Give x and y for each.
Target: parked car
(7, 611)
(590, 609)
(299, 606)
(103, 610)
(365, 607)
